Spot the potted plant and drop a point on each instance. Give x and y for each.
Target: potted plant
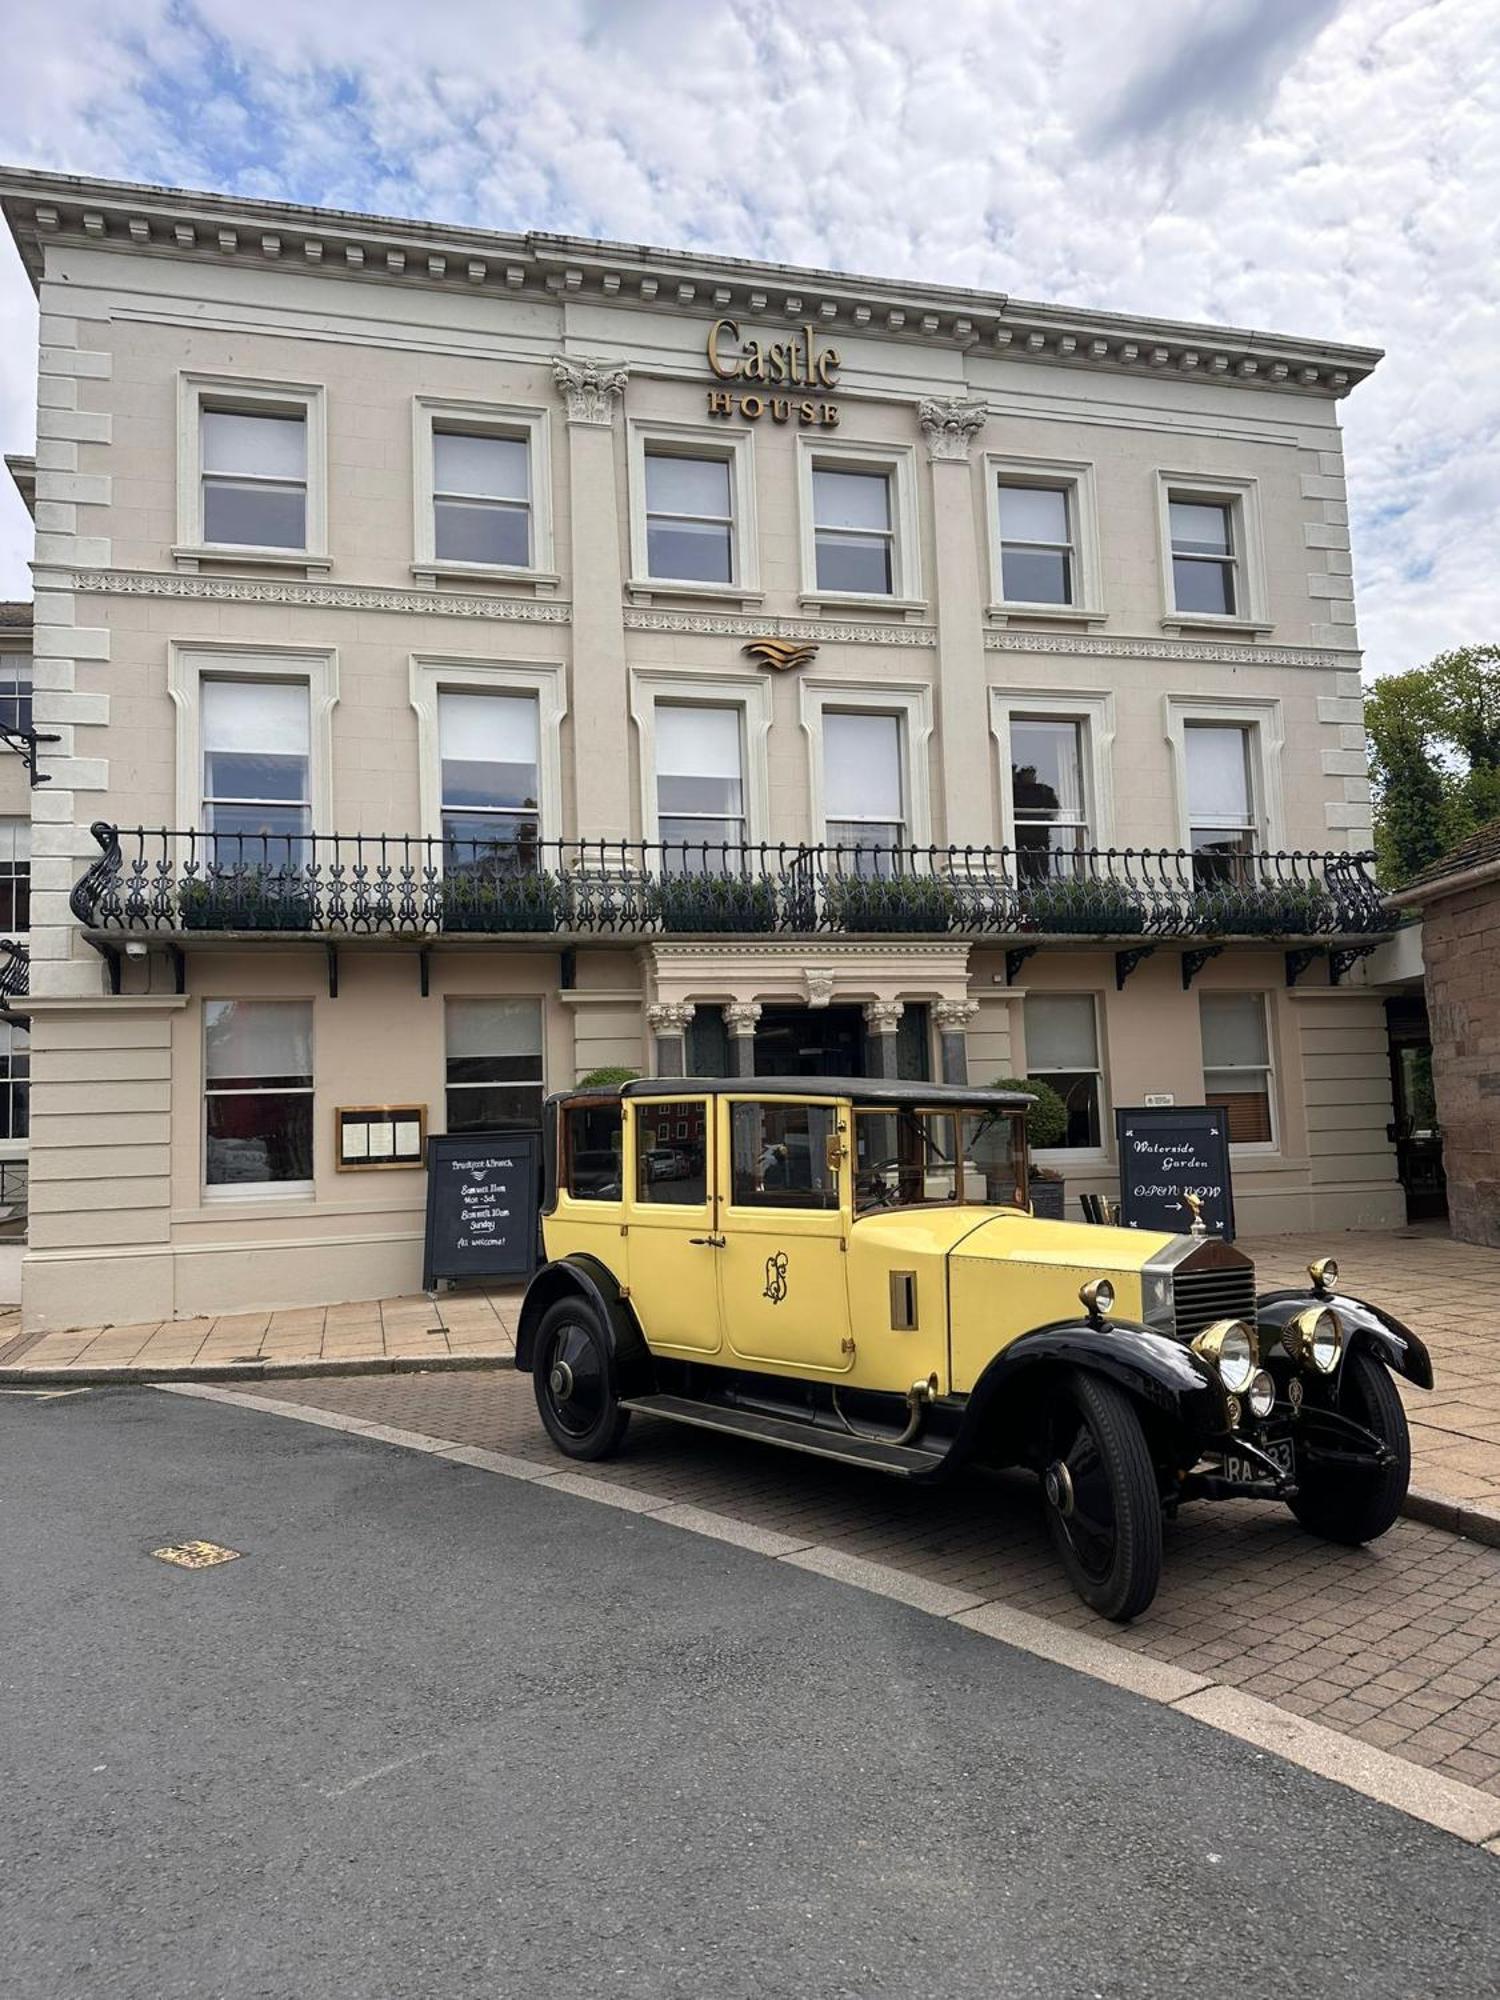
(533, 899)
(1046, 1125)
(889, 903)
(1091, 904)
(1261, 909)
(706, 902)
(246, 899)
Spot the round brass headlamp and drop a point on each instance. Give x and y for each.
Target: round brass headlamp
(1229, 1345)
(1324, 1272)
(1098, 1297)
(1314, 1338)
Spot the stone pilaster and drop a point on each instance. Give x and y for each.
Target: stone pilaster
(592, 391)
(742, 1018)
(669, 1021)
(950, 426)
(882, 1019)
(953, 1018)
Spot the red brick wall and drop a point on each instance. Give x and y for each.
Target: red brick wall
(1461, 945)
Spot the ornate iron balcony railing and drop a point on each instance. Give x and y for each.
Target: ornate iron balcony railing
(155, 879)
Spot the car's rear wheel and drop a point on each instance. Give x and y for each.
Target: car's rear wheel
(574, 1383)
(1347, 1503)
(1103, 1507)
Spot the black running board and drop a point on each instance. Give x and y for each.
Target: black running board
(904, 1461)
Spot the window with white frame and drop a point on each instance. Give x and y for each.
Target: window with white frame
(257, 785)
(1205, 558)
(1237, 1070)
(15, 691)
(1223, 820)
(700, 786)
(854, 535)
(495, 1071)
(864, 788)
(1048, 797)
(258, 1094)
(690, 528)
(15, 875)
(15, 1081)
(1038, 561)
(490, 749)
(253, 469)
(1062, 1048)
(481, 497)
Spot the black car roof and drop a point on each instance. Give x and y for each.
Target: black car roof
(858, 1089)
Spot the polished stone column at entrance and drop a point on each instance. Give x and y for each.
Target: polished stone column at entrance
(882, 1018)
(953, 1018)
(742, 1018)
(669, 1021)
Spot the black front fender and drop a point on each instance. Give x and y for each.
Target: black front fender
(585, 1277)
(1173, 1384)
(1365, 1325)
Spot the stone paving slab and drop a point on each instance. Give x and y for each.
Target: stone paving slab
(1449, 1292)
(1396, 1646)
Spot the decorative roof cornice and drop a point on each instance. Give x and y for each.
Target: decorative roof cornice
(158, 221)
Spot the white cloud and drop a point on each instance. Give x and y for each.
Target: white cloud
(1286, 163)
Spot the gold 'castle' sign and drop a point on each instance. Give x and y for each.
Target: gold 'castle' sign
(776, 368)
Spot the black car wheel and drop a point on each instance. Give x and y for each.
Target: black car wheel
(574, 1384)
(1103, 1507)
(1346, 1503)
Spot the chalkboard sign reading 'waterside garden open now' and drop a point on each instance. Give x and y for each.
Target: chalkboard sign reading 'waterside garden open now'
(1168, 1152)
(482, 1199)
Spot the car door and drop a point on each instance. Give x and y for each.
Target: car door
(783, 1295)
(671, 1244)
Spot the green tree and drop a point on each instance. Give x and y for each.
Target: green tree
(1434, 735)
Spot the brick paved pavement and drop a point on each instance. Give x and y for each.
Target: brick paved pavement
(1450, 1292)
(1397, 1645)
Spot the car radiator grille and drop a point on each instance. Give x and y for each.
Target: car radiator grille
(1201, 1297)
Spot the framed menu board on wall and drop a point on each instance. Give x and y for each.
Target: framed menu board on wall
(373, 1136)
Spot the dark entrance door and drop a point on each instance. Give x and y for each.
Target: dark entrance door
(810, 1041)
(1415, 1129)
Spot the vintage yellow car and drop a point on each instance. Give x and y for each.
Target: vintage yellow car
(851, 1268)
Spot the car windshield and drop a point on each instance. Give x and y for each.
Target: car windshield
(914, 1158)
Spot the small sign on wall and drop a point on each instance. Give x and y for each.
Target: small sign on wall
(370, 1136)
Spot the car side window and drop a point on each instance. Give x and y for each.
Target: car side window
(591, 1151)
(670, 1168)
(780, 1154)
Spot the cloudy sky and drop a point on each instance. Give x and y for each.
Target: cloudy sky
(1303, 165)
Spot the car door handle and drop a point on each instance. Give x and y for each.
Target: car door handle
(710, 1242)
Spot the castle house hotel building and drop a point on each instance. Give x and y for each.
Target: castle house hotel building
(473, 659)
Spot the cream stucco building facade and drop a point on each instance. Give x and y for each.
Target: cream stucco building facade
(490, 657)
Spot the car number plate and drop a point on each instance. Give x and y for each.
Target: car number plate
(1245, 1471)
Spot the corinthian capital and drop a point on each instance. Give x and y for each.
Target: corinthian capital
(742, 1017)
(883, 1017)
(670, 1017)
(950, 424)
(590, 387)
(953, 1016)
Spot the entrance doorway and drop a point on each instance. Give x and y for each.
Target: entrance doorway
(1415, 1130)
(833, 1041)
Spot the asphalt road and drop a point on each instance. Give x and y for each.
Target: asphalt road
(439, 1733)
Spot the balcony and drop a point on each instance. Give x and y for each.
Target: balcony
(181, 885)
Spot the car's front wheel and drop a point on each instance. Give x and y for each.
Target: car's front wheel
(1103, 1506)
(574, 1383)
(1345, 1503)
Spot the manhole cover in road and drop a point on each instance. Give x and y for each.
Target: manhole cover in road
(195, 1555)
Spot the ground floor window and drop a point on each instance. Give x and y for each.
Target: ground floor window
(258, 1093)
(495, 1072)
(15, 1081)
(1237, 1064)
(1062, 1048)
